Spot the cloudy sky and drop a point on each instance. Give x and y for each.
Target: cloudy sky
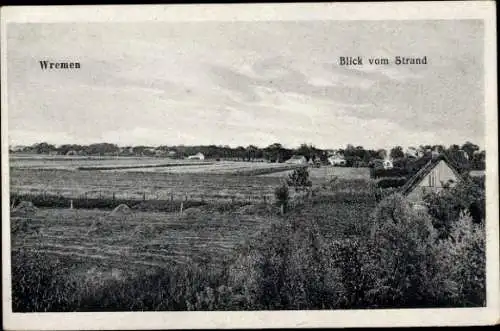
(241, 83)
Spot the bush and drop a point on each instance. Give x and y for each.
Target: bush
(463, 259)
(391, 182)
(405, 267)
(299, 179)
(286, 267)
(394, 172)
(282, 195)
(445, 206)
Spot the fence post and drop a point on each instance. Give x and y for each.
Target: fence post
(143, 196)
(182, 206)
(71, 204)
(113, 196)
(282, 209)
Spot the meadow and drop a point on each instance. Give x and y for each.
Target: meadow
(145, 179)
(135, 239)
(73, 162)
(327, 173)
(98, 254)
(151, 185)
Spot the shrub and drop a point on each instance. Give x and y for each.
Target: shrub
(463, 259)
(286, 267)
(299, 179)
(391, 182)
(445, 206)
(394, 172)
(352, 258)
(404, 266)
(282, 195)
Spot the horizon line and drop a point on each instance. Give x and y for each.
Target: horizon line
(237, 146)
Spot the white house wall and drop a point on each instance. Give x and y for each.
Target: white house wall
(442, 172)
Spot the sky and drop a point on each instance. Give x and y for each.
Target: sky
(241, 83)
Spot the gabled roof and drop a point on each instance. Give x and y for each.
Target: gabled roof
(425, 170)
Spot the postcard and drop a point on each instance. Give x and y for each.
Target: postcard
(249, 166)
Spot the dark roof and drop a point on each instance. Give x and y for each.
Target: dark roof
(425, 170)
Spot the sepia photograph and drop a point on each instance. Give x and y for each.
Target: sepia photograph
(231, 159)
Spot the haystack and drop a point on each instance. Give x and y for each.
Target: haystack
(247, 210)
(24, 208)
(193, 212)
(122, 209)
(143, 230)
(256, 209)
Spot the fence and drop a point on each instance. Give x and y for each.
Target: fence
(140, 200)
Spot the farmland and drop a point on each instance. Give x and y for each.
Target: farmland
(103, 248)
(325, 173)
(154, 185)
(139, 239)
(73, 162)
(144, 178)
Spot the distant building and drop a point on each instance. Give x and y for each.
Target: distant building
(337, 160)
(297, 159)
(477, 173)
(412, 153)
(434, 176)
(197, 156)
(387, 164)
(71, 153)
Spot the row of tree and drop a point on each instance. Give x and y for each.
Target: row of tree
(354, 155)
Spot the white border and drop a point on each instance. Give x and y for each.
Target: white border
(268, 319)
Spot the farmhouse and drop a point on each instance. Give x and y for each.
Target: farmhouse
(297, 159)
(197, 156)
(387, 164)
(337, 160)
(435, 175)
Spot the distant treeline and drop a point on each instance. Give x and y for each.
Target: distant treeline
(468, 154)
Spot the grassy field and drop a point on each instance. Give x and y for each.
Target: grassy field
(326, 173)
(221, 168)
(73, 162)
(104, 260)
(155, 185)
(139, 239)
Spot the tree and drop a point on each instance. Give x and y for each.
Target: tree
(381, 153)
(251, 152)
(397, 152)
(470, 148)
(43, 148)
(306, 151)
(275, 152)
